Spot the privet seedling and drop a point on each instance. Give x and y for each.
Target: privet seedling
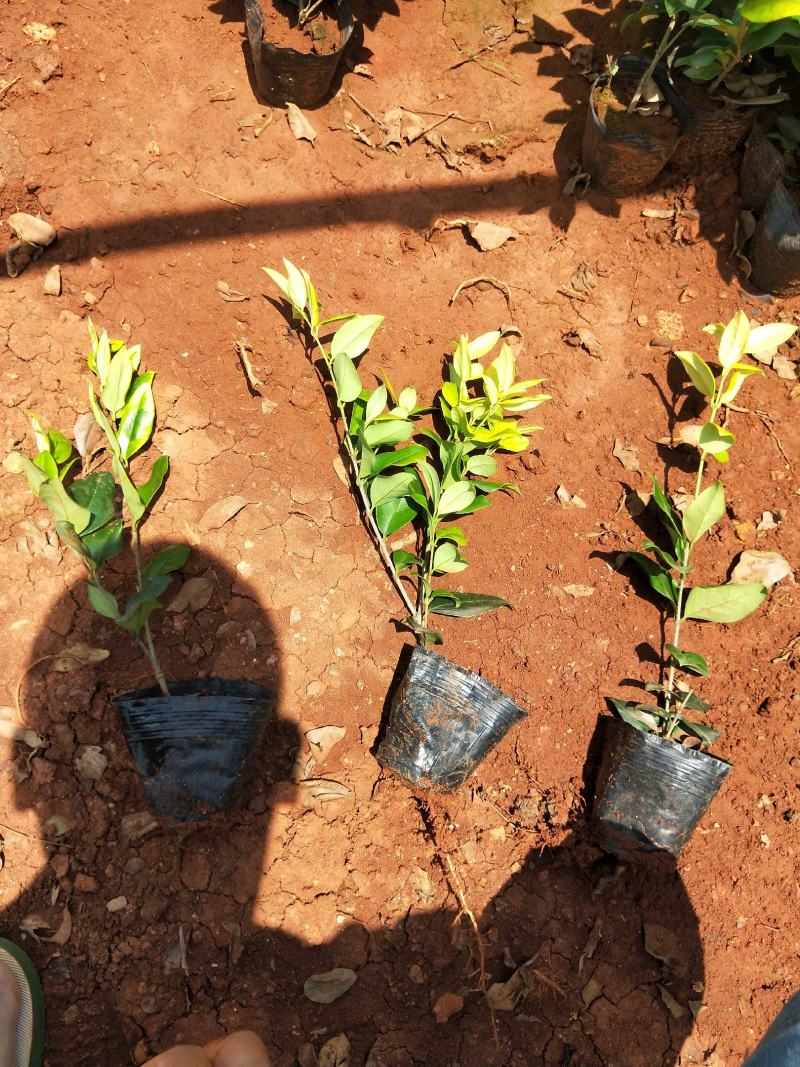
(84, 502)
(668, 569)
(406, 474)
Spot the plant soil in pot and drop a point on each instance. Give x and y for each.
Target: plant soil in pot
(444, 720)
(295, 55)
(193, 747)
(774, 249)
(624, 150)
(651, 792)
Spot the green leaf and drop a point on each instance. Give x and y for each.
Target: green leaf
(477, 504)
(405, 560)
(635, 715)
(348, 383)
(129, 493)
(311, 300)
(704, 512)
(716, 441)
(770, 10)
(670, 518)
(169, 559)
(101, 545)
(157, 475)
(42, 443)
(699, 371)
(723, 603)
(451, 533)
(62, 507)
(143, 603)
(464, 605)
(447, 559)
(100, 357)
(46, 464)
(429, 637)
(296, 285)
(387, 432)
(733, 343)
(118, 381)
(96, 493)
(375, 404)
(389, 486)
(279, 280)
(660, 580)
(102, 421)
(103, 602)
(769, 337)
(689, 661)
(393, 515)
(66, 531)
(455, 498)
(678, 697)
(137, 416)
(354, 336)
(482, 345)
(707, 734)
(402, 457)
(430, 478)
(60, 448)
(482, 465)
(36, 477)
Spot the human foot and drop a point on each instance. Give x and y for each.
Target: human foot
(9, 1016)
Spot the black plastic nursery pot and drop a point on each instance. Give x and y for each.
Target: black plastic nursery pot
(625, 153)
(443, 721)
(285, 75)
(774, 249)
(711, 134)
(193, 747)
(650, 792)
(762, 166)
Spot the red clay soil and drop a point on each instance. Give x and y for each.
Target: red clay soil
(140, 147)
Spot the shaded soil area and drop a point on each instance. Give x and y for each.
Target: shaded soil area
(139, 137)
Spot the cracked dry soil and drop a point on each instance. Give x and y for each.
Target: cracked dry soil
(130, 142)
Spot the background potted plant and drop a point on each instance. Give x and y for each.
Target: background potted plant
(655, 780)
(444, 718)
(191, 740)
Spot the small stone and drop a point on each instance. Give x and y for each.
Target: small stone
(135, 865)
(31, 229)
(448, 1005)
(52, 281)
(84, 883)
(295, 615)
(117, 904)
(416, 975)
(60, 865)
(642, 320)
(195, 871)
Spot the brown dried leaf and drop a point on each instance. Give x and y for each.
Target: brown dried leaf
(627, 455)
(766, 568)
(591, 991)
(341, 473)
(257, 122)
(593, 941)
(317, 790)
(77, 656)
(56, 826)
(299, 124)
(676, 1010)
(487, 236)
(64, 931)
(584, 279)
(33, 922)
(88, 436)
(439, 145)
(306, 1057)
(136, 825)
(327, 987)
(323, 739)
(228, 294)
(91, 763)
(194, 594)
(504, 996)
(335, 1053)
(784, 368)
(665, 945)
(220, 513)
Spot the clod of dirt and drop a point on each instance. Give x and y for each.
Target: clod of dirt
(60, 865)
(306, 1056)
(299, 124)
(446, 1006)
(669, 329)
(195, 871)
(117, 904)
(31, 923)
(488, 236)
(568, 501)
(84, 883)
(335, 1053)
(194, 594)
(221, 512)
(766, 568)
(51, 286)
(77, 656)
(327, 987)
(627, 455)
(583, 338)
(423, 886)
(91, 763)
(770, 520)
(31, 229)
(579, 590)
(39, 32)
(664, 945)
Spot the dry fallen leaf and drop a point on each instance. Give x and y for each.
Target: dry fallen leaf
(335, 1053)
(318, 790)
(658, 213)
(136, 825)
(56, 826)
(64, 931)
(323, 739)
(31, 923)
(784, 368)
(487, 236)
(665, 945)
(299, 124)
(327, 987)
(593, 941)
(627, 455)
(306, 1057)
(341, 473)
(257, 122)
(91, 763)
(89, 438)
(223, 511)
(591, 991)
(193, 595)
(676, 1010)
(231, 295)
(766, 568)
(77, 656)
(579, 590)
(504, 996)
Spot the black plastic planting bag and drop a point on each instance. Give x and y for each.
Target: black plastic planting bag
(774, 250)
(651, 793)
(285, 75)
(762, 166)
(192, 748)
(622, 162)
(711, 137)
(443, 721)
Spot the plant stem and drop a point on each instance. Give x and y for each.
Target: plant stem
(147, 645)
(365, 507)
(666, 40)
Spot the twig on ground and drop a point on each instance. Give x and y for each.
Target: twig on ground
(368, 113)
(5, 86)
(243, 350)
(792, 647)
(502, 286)
(33, 837)
(224, 199)
(768, 421)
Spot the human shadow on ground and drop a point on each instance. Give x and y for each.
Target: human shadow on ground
(188, 950)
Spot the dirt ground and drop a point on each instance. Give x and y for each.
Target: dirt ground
(126, 131)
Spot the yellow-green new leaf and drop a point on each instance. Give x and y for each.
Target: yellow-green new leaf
(768, 338)
(770, 10)
(375, 404)
(279, 280)
(735, 336)
(311, 300)
(117, 382)
(348, 383)
(101, 356)
(704, 512)
(296, 285)
(482, 345)
(715, 440)
(701, 375)
(354, 336)
(740, 372)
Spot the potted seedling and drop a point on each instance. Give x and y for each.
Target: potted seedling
(405, 474)
(190, 739)
(655, 779)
